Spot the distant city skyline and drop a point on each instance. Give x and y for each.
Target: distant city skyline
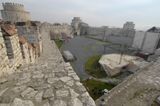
(112, 13)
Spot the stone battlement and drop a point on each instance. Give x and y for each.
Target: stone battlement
(13, 6)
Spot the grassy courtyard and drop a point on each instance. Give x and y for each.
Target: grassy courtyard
(95, 88)
(93, 68)
(59, 43)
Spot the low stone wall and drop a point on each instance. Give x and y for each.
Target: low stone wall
(140, 89)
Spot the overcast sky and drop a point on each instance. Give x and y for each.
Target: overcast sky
(144, 13)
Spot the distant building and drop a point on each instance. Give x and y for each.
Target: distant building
(129, 26)
(147, 42)
(14, 12)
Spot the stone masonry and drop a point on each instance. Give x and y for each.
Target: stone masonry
(49, 82)
(4, 61)
(12, 44)
(24, 49)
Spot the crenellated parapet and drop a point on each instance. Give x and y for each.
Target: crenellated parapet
(13, 6)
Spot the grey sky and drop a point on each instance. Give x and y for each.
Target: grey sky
(144, 13)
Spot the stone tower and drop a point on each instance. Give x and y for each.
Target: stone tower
(14, 12)
(76, 21)
(129, 26)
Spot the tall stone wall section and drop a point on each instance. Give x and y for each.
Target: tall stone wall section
(59, 31)
(114, 35)
(14, 12)
(24, 49)
(31, 32)
(14, 51)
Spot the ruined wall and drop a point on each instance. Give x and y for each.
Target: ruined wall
(4, 61)
(14, 12)
(31, 31)
(13, 50)
(24, 49)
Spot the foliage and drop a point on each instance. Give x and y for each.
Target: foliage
(59, 43)
(95, 88)
(93, 68)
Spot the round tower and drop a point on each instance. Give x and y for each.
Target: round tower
(14, 12)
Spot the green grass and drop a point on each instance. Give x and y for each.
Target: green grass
(93, 68)
(95, 88)
(58, 42)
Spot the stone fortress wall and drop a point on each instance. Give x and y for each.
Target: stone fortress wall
(15, 50)
(114, 35)
(148, 42)
(122, 36)
(49, 82)
(14, 12)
